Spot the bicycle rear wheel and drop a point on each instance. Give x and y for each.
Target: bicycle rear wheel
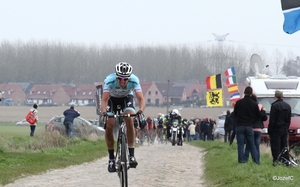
(148, 137)
(161, 137)
(123, 163)
(142, 138)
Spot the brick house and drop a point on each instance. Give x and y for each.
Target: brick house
(82, 94)
(152, 95)
(13, 91)
(45, 94)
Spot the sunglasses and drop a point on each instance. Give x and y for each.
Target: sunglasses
(122, 79)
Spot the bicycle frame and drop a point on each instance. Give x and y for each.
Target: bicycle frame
(291, 161)
(122, 153)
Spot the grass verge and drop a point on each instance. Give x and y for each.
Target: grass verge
(223, 169)
(22, 155)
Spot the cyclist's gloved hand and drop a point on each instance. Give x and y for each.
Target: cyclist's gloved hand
(140, 114)
(103, 117)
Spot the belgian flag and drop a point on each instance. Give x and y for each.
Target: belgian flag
(213, 82)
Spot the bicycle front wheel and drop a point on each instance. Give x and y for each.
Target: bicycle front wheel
(123, 158)
(148, 137)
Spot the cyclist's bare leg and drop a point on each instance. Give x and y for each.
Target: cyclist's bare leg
(130, 138)
(109, 137)
(130, 129)
(109, 133)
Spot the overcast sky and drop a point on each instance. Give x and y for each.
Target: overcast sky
(255, 23)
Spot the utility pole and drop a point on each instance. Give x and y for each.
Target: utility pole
(168, 96)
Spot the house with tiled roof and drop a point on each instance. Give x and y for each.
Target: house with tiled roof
(13, 91)
(83, 94)
(152, 95)
(194, 91)
(47, 94)
(176, 94)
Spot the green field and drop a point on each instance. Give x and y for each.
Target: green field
(11, 130)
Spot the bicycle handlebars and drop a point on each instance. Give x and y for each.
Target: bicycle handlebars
(121, 115)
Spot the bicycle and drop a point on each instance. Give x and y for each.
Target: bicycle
(122, 153)
(145, 136)
(160, 136)
(286, 152)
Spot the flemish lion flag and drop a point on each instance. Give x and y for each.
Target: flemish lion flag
(214, 98)
(291, 12)
(213, 82)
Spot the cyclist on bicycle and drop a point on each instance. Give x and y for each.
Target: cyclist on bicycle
(142, 129)
(167, 125)
(160, 124)
(118, 89)
(150, 127)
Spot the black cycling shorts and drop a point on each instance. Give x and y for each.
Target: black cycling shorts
(125, 103)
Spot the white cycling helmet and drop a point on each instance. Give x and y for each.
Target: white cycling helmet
(175, 112)
(123, 69)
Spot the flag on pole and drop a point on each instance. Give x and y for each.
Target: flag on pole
(213, 82)
(231, 80)
(233, 88)
(234, 97)
(291, 13)
(230, 72)
(214, 98)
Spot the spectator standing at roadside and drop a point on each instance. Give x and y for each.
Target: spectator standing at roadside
(192, 130)
(232, 136)
(233, 120)
(212, 126)
(279, 123)
(227, 126)
(205, 129)
(197, 129)
(210, 129)
(187, 131)
(32, 126)
(257, 127)
(70, 114)
(246, 112)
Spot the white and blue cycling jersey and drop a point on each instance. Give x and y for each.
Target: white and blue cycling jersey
(111, 85)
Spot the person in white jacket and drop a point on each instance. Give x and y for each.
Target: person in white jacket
(192, 129)
(32, 127)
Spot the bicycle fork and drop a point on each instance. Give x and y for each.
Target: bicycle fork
(122, 132)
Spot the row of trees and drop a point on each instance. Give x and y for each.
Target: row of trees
(57, 62)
